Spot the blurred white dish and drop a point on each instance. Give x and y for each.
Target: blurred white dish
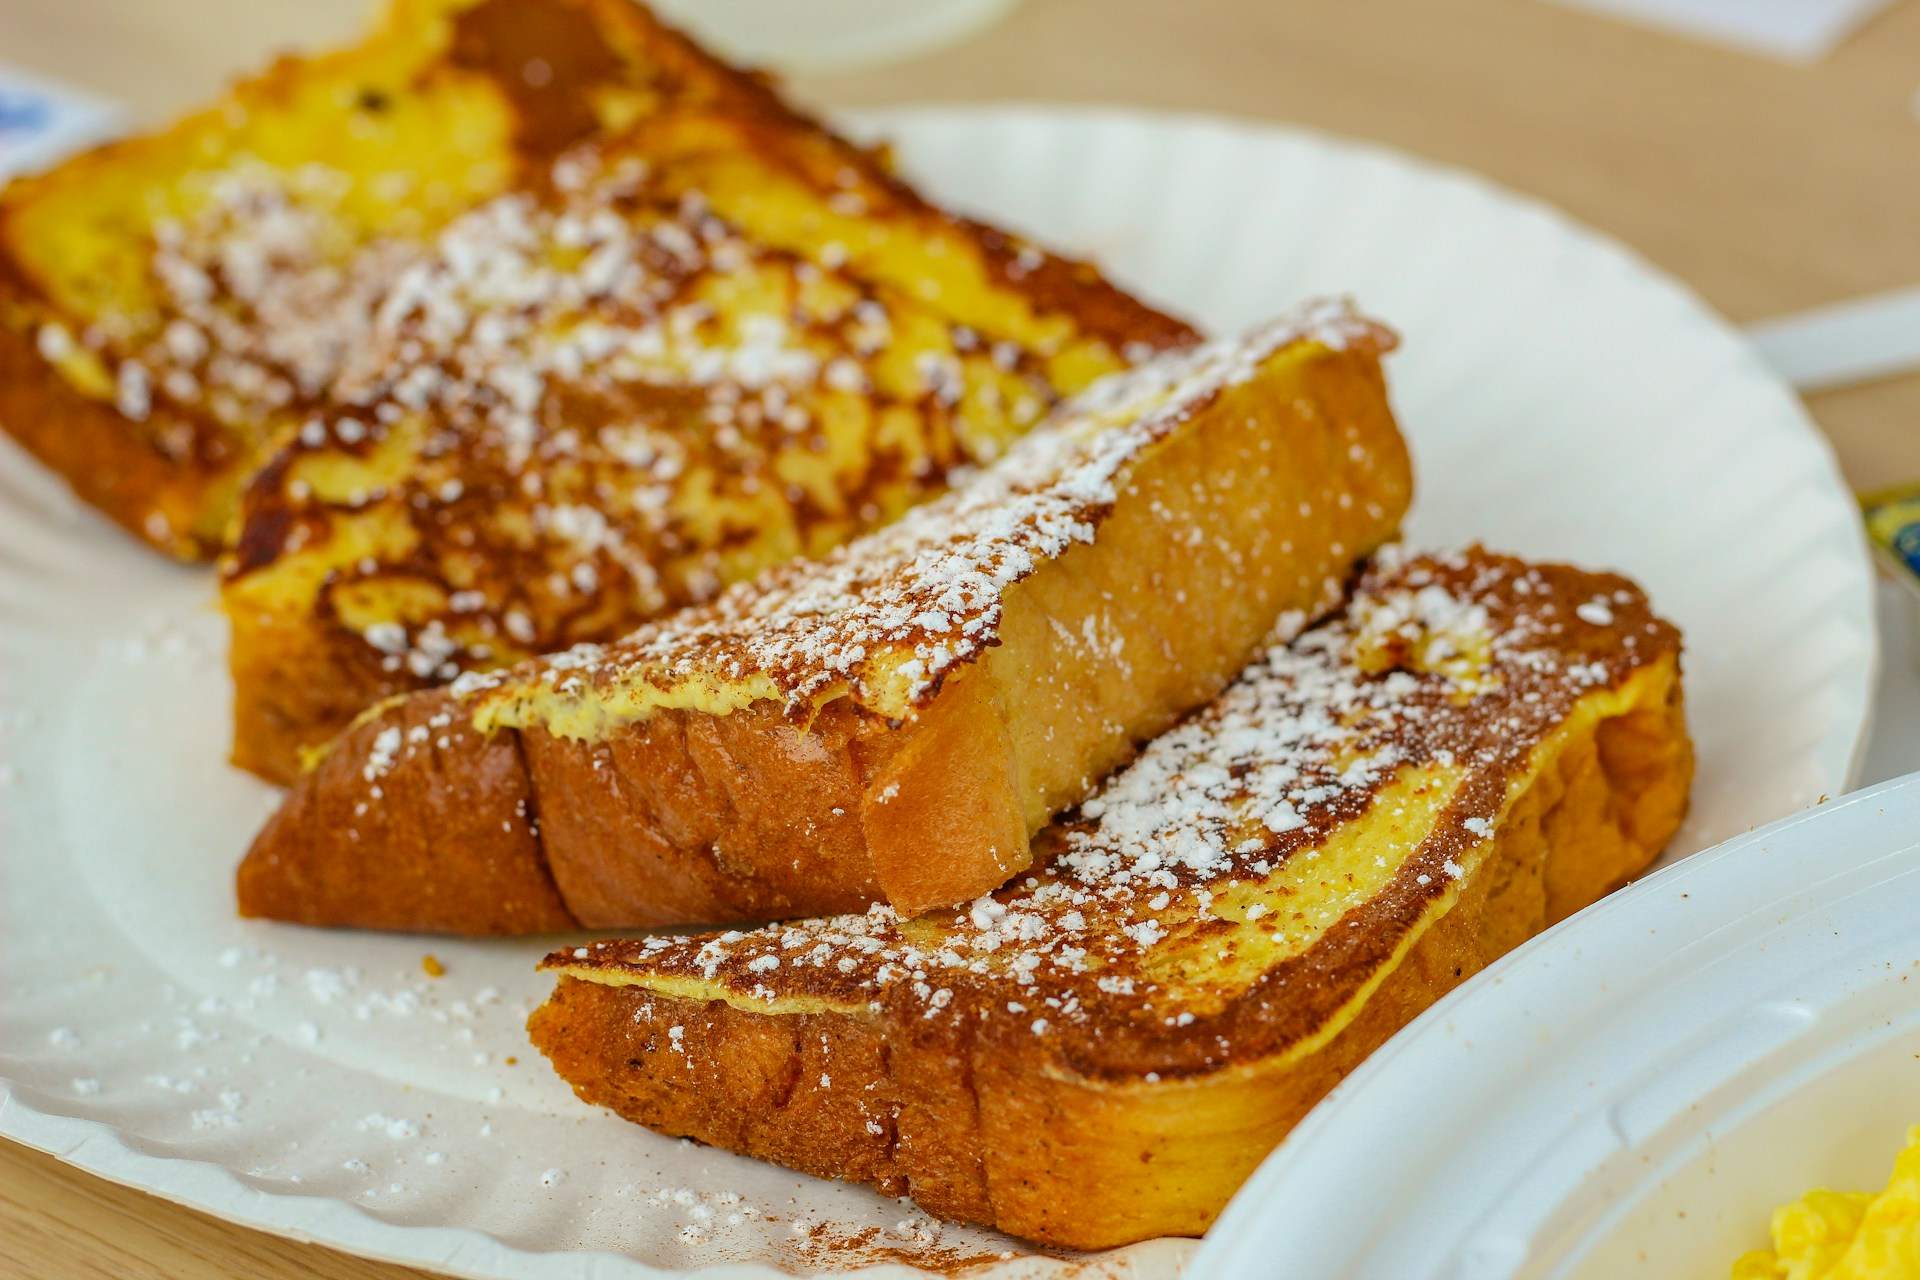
(1802, 30)
(824, 35)
(1631, 1093)
(1562, 400)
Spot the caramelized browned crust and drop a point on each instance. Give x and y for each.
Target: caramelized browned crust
(695, 819)
(751, 817)
(1102, 1051)
(462, 854)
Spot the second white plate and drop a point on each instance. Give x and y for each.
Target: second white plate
(1754, 1035)
(1563, 400)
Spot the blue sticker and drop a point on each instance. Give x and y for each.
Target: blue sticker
(1906, 544)
(41, 122)
(24, 113)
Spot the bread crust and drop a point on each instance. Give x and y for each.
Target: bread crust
(461, 855)
(703, 826)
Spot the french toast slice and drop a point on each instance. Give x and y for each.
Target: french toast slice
(1101, 1051)
(891, 722)
(535, 321)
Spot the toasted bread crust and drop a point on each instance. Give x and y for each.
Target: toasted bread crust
(700, 810)
(464, 847)
(702, 820)
(990, 1129)
(703, 829)
(1258, 497)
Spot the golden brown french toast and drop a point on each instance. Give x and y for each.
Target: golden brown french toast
(542, 322)
(1101, 1051)
(148, 371)
(894, 721)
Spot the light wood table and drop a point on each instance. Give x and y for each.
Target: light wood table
(1768, 187)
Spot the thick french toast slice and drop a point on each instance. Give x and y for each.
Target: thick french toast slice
(1102, 1051)
(538, 321)
(892, 722)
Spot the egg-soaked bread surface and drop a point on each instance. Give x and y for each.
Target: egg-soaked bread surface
(1102, 1050)
(894, 721)
(536, 322)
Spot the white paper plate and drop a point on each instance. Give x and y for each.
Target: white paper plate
(1562, 400)
(1630, 1094)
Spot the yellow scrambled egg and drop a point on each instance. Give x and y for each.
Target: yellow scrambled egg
(1847, 1235)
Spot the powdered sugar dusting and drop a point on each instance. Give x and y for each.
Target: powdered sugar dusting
(887, 617)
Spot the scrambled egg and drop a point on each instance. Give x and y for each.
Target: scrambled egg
(1847, 1235)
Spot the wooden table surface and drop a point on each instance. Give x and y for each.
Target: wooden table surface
(1767, 186)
